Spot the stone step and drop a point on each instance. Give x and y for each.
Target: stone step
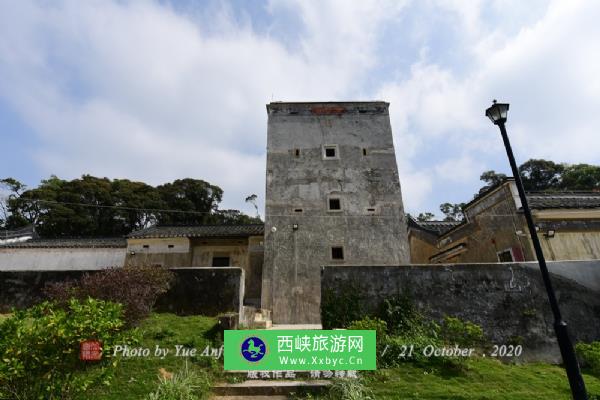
(264, 324)
(243, 374)
(269, 388)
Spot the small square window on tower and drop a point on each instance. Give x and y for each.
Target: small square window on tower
(337, 253)
(334, 204)
(330, 152)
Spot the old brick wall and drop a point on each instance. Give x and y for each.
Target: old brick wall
(508, 300)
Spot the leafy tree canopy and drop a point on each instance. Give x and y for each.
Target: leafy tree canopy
(452, 212)
(427, 216)
(580, 177)
(92, 206)
(544, 175)
(537, 175)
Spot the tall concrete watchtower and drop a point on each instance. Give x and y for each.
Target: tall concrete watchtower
(333, 197)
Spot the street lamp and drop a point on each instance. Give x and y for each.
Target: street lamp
(497, 114)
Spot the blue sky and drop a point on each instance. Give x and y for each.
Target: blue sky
(156, 91)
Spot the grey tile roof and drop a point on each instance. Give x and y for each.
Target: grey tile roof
(71, 242)
(574, 200)
(437, 227)
(200, 231)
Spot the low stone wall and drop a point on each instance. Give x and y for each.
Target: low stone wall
(585, 272)
(205, 291)
(22, 289)
(509, 301)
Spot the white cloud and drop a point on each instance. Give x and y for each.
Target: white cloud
(458, 169)
(547, 70)
(137, 89)
(416, 188)
(134, 89)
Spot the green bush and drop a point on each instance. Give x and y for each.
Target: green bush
(370, 324)
(39, 348)
(349, 389)
(339, 308)
(406, 348)
(401, 315)
(183, 385)
(137, 288)
(463, 333)
(589, 353)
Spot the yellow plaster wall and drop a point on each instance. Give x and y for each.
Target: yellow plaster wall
(420, 249)
(571, 246)
(204, 250)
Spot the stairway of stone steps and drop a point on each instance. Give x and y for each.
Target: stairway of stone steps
(262, 319)
(267, 389)
(258, 387)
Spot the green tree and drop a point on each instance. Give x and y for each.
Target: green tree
(10, 188)
(199, 199)
(91, 206)
(581, 177)
(233, 217)
(137, 202)
(539, 175)
(427, 216)
(252, 199)
(491, 178)
(453, 212)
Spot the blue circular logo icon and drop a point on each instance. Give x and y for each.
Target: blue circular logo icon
(253, 349)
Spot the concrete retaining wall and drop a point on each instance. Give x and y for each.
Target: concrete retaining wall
(508, 300)
(60, 259)
(586, 273)
(205, 291)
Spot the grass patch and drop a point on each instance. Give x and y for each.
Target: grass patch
(481, 379)
(136, 377)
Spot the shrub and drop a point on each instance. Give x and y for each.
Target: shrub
(183, 385)
(406, 348)
(137, 288)
(349, 389)
(589, 353)
(39, 348)
(462, 333)
(339, 308)
(401, 315)
(370, 324)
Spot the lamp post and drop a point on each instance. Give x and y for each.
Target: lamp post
(497, 113)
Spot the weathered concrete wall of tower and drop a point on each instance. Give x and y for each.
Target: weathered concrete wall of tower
(300, 229)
